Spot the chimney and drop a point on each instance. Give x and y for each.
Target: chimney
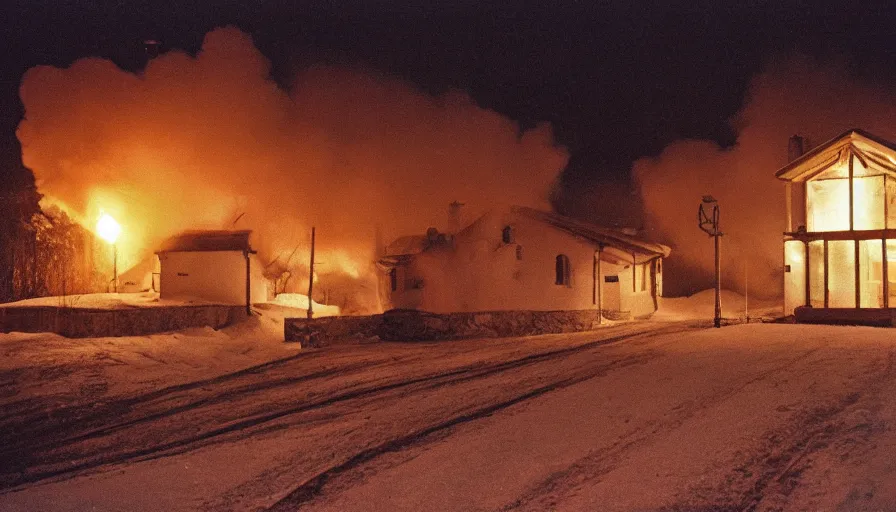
(151, 47)
(795, 148)
(795, 193)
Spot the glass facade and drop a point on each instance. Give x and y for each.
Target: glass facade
(845, 256)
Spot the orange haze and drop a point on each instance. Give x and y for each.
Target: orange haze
(796, 95)
(195, 142)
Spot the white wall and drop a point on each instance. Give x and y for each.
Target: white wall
(216, 276)
(484, 274)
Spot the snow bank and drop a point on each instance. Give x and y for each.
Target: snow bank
(701, 305)
(300, 301)
(107, 301)
(138, 363)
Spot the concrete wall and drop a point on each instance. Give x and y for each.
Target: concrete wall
(215, 276)
(97, 323)
(482, 273)
(421, 326)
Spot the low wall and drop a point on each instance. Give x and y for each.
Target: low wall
(332, 330)
(98, 323)
(402, 325)
(846, 316)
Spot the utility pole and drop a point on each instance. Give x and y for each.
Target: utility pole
(708, 221)
(311, 278)
(115, 267)
(746, 292)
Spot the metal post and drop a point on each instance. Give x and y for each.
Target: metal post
(115, 268)
(746, 292)
(717, 320)
(599, 287)
(311, 278)
(709, 223)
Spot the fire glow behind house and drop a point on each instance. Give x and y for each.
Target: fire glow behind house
(211, 142)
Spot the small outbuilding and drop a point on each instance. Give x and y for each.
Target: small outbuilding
(214, 266)
(522, 259)
(840, 242)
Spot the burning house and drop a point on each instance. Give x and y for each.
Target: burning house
(840, 244)
(524, 259)
(215, 266)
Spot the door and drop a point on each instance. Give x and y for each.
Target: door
(611, 292)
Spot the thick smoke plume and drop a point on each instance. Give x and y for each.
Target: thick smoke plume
(211, 142)
(796, 95)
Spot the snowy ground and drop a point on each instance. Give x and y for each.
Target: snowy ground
(634, 416)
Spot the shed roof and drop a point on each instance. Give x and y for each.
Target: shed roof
(872, 150)
(207, 241)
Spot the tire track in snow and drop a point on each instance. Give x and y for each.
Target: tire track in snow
(552, 490)
(67, 468)
(88, 415)
(788, 451)
(314, 486)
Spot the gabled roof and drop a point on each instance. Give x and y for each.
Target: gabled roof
(207, 241)
(870, 149)
(596, 234)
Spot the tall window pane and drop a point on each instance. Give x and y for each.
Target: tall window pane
(841, 274)
(827, 201)
(891, 271)
(871, 274)
(794, 275)
(816, 274)
(868, 203)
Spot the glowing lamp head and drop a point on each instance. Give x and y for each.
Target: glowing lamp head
(107, 228)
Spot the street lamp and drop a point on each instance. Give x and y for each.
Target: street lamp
(708, 220)
(108, 229)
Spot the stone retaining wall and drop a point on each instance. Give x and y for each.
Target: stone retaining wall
(402, 325)
(97, 323)
(331, 330)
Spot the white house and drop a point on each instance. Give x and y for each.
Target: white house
(519, 258)
(215, 266)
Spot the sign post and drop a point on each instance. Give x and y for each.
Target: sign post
(708, 221)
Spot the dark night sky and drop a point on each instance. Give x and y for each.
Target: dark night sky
(618, 80)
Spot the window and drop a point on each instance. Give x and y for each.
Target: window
(507, 235)
(561, 268)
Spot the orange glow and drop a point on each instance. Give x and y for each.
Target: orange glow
(107, 228)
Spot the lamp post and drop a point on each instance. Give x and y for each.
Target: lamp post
(108, 229)
(708, 221)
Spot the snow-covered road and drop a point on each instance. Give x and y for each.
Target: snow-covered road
(640, 416)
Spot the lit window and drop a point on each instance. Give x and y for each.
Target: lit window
(561, 268)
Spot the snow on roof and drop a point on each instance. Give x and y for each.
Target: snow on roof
(412, 244)
(202, 241)
(869, 148)
(402, 250)
(593, 233)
